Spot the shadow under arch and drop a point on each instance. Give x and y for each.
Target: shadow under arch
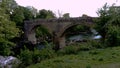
(32, 33)
(70, 26)
(43, 34)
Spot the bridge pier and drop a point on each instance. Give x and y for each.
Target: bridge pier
(31, 37)
(59, 42)
(62, 43)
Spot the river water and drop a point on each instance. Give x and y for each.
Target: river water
(87, 36)
(82, 37)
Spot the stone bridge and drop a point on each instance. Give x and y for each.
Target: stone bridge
(56, 27)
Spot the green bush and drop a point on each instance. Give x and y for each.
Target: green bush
(73, 49)
(46, 54)
(108, 25)
(68, 50)
(34, 56)
(88, 66)
(113, 36)
(100, 59)
(94, 52)
(95, 44)
(39, 55)
(84, 46)
(5, 47)
(26, 57)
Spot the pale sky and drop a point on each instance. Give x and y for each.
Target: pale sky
(75, 7)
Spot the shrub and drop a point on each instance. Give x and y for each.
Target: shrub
(108, 25)
(71, 49)
(84, 46)
(31, 57)
(95, 44)
(94, 52)
(26, 57)
(88, 66)
(36, 56)
(46, 54)
(100, 59)
(113, 36)
(5, 47)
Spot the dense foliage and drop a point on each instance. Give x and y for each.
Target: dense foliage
(8, 29)
(66, 15)
(108, 25)
(45, 14)
(29, 57)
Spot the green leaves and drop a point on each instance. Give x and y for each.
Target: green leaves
(45, 14)
(8, 30)
(113, 36)
(108, 24)
(66, 15)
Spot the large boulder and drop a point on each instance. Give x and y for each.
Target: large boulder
(9, 62)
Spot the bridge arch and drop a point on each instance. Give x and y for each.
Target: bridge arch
(63, 31)
(31, 32)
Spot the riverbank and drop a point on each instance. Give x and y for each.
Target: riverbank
(96, 58)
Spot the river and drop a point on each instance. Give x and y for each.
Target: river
(87, 36)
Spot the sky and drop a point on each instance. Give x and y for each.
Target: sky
(76, 8)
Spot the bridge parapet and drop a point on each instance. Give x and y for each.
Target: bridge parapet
(75, 19)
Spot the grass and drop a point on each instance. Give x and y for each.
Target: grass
(97, 58)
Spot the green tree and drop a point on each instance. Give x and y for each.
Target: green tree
(45, 14)
(20, 14)
(8, 31)
(66, 15)
(108, 24)
(33, 10)
(28, 13)
(9, 6)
